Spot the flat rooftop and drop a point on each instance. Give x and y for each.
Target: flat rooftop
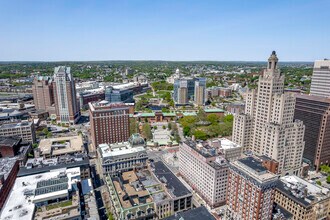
(203, 148)
(130, 190)
(174, 186)
(16, 125)
(296, 188)
(6, 165)
(253, 168)
(61, 145)
(200, 213)
(123, 148)
(224, 143)
(19, 204)
(9, 141)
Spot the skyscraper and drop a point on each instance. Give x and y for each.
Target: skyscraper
(320, 85)
(66, 106)
(200, 91)
(268, 127)
(109, 122)
(314, 111)
(43, 95)
(184, 90)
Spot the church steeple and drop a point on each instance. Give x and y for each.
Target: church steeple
(272, 61)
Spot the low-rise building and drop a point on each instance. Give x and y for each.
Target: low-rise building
(251, 189)
(120, 157)
(302, 199)
(149, 193)
(44, 196)
(86, 97)
(8, 171)
(54, 147)
(200, 213)
(24, 129)
(43, 165)
(205, 170)
(15, 147)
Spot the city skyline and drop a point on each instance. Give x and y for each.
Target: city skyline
(173, 31)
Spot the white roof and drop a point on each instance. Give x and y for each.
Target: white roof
(311, 188)
(125, 149)
(19, 206)
(228, 144)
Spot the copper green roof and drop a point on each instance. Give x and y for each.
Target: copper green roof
(148, 114)
(169, 114)
(214, 110)
(189, 113)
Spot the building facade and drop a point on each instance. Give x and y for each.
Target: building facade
(109, 122)
(205, 171)
(119, 157)
(314, 111)
(43, 96)
(321, 78)
(200, 92)
(268, 126)
(66, 106)
(303, 200)
(24, 129)
(250, 192)
(184, 90)
(86, 97)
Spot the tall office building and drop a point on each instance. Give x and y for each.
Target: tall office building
(320, 85)
(200, 92)
(109, 122)
(268, 127)
(314, 111)
(66, 106)
(251, 190)
(43, 96)
(184, 90)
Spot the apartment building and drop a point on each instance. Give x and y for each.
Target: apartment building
(205, 169)
(109, 122)
(268, 127)
(250, 192)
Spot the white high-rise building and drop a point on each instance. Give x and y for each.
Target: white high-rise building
(320, 85)
(66, 106)
(267, 127)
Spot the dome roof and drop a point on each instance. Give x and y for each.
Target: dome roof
(136, 140)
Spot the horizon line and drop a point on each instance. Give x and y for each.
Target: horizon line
(148, 60)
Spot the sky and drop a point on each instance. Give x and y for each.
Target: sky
(178, 30)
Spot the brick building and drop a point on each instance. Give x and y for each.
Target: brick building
(109, 122)
(43, 94)
(8, 170)
(251, 189)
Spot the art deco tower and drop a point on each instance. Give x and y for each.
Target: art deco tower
(267, 127)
